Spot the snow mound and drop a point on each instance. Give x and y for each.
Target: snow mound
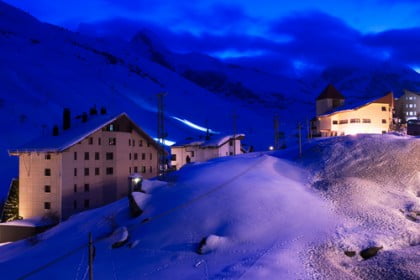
(211, 243)
(149, 186)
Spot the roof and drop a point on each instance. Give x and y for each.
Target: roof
(214, 141)
(406, 91)
(386, 99)
(78, 131)
(330, 92)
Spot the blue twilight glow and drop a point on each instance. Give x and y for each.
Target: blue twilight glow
(195, 126)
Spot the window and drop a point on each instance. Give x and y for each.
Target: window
(129, 170)
(97, 171)
(96, 155)
(111, 127)
(136, 156)
(87, 188)
(150, 156)
(129, 156)
(335, 122)
(230, 142)
(75, 188)
(143, 156)
(140, 143)
(143, 169)
(47, 188)
(343, 121)
(192, 154)
(133, 142)
(109, 171)
(75, 172)
(129, 142)
(148, 144)
(136, 169)
(112, 141)
(86, 172)
(87, 203)
(383, 108)
(354, 120)
(383, 121)
(410, 105)
(90, 140)
(99, 141)
(47, 205)
(75, 155)
(366, 120)
(74, 204)
(47, 172)
(109, 156)
(86, 155)
(173, 157)
(150, 169)
(383, 131)
(47, 156)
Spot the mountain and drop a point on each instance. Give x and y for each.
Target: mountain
(272, 216)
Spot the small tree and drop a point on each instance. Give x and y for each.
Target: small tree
(11, 207)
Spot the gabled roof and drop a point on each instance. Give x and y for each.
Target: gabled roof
(330, 92)
(386, 99)
(213, 142)
(75, 134)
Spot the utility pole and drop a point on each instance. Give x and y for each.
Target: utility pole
(234, 118)
(276, 132)
(161, 134)
(91, 252)
(300, 138)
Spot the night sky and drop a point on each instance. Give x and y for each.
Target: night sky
(269, 34)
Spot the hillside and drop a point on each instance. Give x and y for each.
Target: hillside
(273, 215)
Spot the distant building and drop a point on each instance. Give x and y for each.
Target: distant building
(407, 107)
(84, 166)
(335, 119)
(203, 150)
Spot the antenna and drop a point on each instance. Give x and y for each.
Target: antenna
(161, 134)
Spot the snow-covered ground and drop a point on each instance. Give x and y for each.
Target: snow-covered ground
(264, 216)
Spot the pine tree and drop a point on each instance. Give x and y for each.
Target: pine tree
(11, 206)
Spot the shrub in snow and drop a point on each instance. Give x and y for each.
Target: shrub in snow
(120, 237)
(135, 209)
(369, 252)
(350, 253)
(210, 243)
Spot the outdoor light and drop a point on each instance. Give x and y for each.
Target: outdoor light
(271, 148)
(136, 180)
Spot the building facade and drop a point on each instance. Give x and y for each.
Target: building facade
(407, 107)
(371, 117)
(83, 167)
(203, 150)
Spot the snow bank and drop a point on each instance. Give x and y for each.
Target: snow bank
(149, 186)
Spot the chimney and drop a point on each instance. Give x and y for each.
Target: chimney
(84, 117)
(93, 111)
(103, 110)
(66, 118)
(55, 130)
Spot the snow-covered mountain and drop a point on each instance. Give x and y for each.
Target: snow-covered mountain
(272, 216)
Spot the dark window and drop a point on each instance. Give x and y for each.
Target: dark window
(173, 157)
(383, 121)
(86, 155)
(230, 142)
(47, 172)
(109, 156)
(383, 131)
(86, 172)
(231, 153)
(136, 156)
(86, 203)
(335, 122)
(75, 188)
(47, 205)
(74, 204)
(90, 141)
(143, 169)
(99, 141)
(148, 144)
(47, 188)
(96, 155)
(129, 142)
(109, 171)
(87, 187)
(150, 169)
(112, 141)
(129, 170)
(192, 153)
(75, 155)
(133, 142)
(143, 156)
(140, 143)
(75, 172)
(383, 108)
(135, 169)
(129, 156)
(343, 121)
(97, 171)
(47, 156)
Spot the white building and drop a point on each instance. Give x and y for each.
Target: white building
(335, 120)
(83, 166)
(203, 150)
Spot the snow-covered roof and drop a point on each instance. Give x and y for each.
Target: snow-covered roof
(355, 106)
(78, 131)
(214, 141)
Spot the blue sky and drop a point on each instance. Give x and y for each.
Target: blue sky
(299, 34)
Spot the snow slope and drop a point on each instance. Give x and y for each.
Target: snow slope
(266, 216)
